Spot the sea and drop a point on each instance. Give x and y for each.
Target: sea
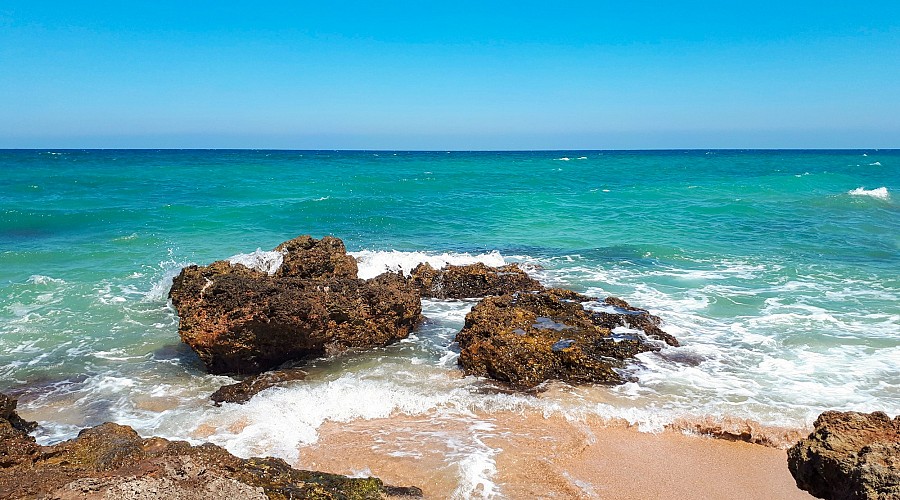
(778, 271)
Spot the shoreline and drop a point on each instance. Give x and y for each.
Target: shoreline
(527, 455)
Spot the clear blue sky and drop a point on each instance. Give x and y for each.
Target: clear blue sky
(450, 75)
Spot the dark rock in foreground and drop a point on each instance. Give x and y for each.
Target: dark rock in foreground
(524, 339)
(111, 462)
(242, 391)
(16, 446)
(8, 414)
(240, 320)
(475, 280)
(849, 456)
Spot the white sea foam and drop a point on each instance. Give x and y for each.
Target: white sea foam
(476, 465)
(261, 260)
(39, 279)
(880, 193)
(373, 262)
(564, 158)
(875, 164)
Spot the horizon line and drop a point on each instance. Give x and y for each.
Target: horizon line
(451, 150)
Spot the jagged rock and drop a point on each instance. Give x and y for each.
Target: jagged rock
(475, 280)
(849, 456)
(306, 257)
(240, 320)
(623, 314)
(242, 391)
(16, 446)
(112, 462)
(8, 413)
(524, 339)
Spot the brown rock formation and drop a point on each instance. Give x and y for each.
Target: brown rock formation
(16, 446)
(524, 339)
(305, 257)
(475, 280)
(242, 391)
(849, 456)
(112, 462)
(240, 320)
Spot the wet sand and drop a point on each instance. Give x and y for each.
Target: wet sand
(525, 455)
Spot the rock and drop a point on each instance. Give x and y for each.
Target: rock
(239, 320)
(849, 456)
(16, 446)
(305, 257)
(524, 339)
(241, 392)
(475, 280)
(8, 413)
(112, 462)
(623, 314)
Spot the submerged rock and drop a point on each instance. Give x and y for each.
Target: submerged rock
(849, 456)
(624, 314)
(475, 280)
(112, 461)
(242, 391)
(524, 339)
(240, 320)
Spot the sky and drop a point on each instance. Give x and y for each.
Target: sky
(450, 75)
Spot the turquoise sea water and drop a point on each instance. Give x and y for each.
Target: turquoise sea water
(778, 270)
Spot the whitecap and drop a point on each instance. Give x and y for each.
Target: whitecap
(132, 236)
(374, 262)
(39, 279)
(875, 164)
(880, 193)
(563, 159)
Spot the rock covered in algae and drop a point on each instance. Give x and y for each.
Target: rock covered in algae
(112, 462)
(470, 281)
(849, 456)
(242, 320)
(524, 339)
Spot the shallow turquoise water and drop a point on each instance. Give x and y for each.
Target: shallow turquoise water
(777, 269)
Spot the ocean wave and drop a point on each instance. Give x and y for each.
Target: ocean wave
(39, 279)
(261, 260)
(374, 262)
(879, 193)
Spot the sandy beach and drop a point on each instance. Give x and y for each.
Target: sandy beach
(538, 457)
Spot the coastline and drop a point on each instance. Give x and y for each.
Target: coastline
(533, 456)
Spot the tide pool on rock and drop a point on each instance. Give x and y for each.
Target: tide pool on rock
(776, 271)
